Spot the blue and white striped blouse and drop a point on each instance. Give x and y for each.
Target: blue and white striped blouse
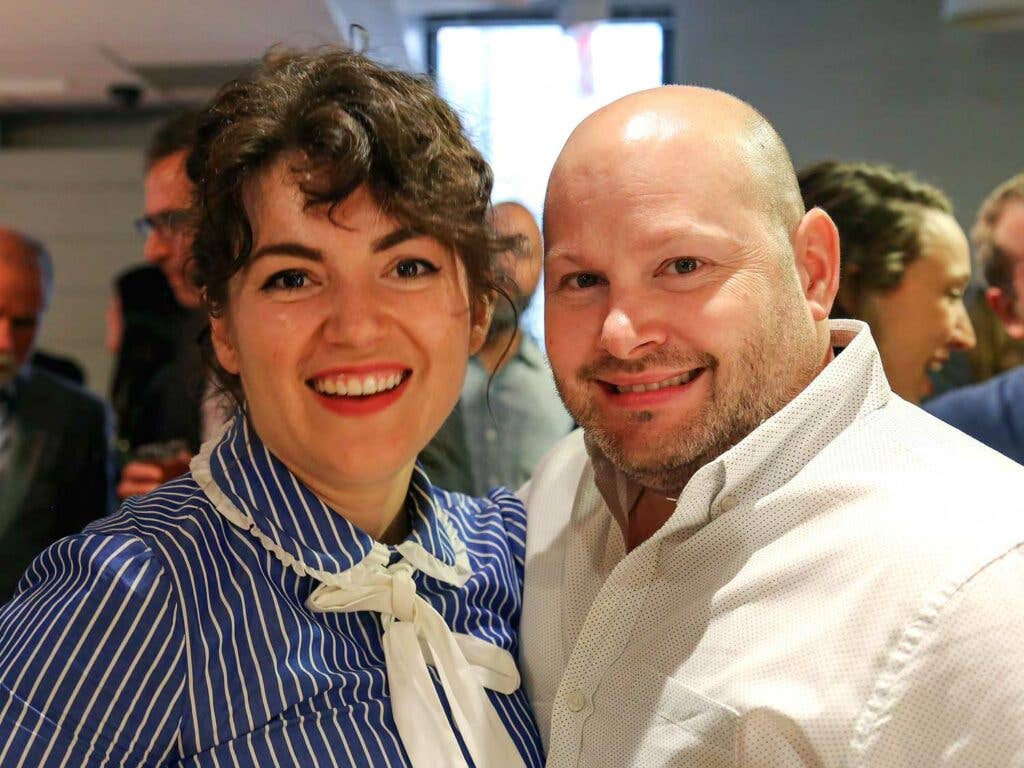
(177, 632)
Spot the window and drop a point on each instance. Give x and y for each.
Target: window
(522, 85)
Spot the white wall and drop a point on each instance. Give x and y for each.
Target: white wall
(878, 80)
(80, 204)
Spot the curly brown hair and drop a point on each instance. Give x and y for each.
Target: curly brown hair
(995, 264)
(351, 123)
(878, 212)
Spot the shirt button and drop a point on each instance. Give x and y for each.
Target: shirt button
(727, 503)
(576, 701)
(490, 435)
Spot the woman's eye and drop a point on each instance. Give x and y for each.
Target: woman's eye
(408, 268)
(684, 266)
(287, 280)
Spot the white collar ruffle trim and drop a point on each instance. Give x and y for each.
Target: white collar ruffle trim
(371, 565)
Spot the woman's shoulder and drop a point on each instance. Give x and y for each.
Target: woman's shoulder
(166, 513)
(95, 615)
(497, 515)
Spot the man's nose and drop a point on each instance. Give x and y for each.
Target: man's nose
(154, 250)
(963, 330)
(626, 332)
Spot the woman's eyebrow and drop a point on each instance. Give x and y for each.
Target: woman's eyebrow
(287, 249)
(392, 239)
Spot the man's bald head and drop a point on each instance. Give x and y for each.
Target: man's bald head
(690, 132)
(514, 219)
(25, 279)
(19, 250)
(521, 265)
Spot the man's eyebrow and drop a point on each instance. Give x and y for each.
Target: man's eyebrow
(392, 239)
(287, 249)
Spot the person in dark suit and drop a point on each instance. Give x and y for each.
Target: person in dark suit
(55, 468)
(176, 409)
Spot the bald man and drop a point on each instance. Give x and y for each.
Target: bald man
(55, 470)
(753, 553)
(508, 414)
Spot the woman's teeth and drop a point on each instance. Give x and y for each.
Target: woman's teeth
(673, 382)
(356, 386)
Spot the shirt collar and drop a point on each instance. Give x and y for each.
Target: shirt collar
(851, 385)
(256, 491)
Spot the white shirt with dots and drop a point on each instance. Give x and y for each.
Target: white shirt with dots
(844, 587)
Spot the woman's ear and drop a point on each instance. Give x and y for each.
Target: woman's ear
(480, 322)
(223, 345)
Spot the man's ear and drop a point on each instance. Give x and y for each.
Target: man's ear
(816, 252)
(480, 322)
(223, 346)
(1007, 311)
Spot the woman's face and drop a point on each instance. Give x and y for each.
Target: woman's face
(922, 320)
(350, 336)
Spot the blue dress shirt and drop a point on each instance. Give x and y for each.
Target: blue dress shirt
(991, 412)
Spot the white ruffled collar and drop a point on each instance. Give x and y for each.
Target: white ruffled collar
(254, 491)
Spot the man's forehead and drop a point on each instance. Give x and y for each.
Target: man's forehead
(20, 281)
(1008, 232)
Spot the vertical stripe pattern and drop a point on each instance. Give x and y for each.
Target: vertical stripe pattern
(167, 634)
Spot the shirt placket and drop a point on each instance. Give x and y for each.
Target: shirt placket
(612, 619)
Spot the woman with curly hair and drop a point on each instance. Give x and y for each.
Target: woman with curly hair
(304, 596)
(905, 265)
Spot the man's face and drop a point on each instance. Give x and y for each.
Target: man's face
(1008, 236)
(22, 303)
(675, 319)
(168, 194)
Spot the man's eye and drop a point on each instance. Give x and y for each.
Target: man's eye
(684, 266)
(408, 268)
(287, 280)
(584, 280)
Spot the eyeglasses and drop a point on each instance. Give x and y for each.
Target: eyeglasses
(164, 224)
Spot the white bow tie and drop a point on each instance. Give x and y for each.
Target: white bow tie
(416, 635)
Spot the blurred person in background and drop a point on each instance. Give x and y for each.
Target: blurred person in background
(178, 410)
(509, 413)
(905, 266)
(55, 470)
(305, 596)
(993, 411)
(143, 331)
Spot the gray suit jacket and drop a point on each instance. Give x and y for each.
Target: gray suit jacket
(60, 474)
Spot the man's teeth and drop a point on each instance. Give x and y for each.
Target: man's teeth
(936, 365)
(353, 386)
(673, 382)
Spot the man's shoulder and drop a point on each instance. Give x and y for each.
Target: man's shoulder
(994, 390)
(908, 477)
(982, 406)
(53, 394)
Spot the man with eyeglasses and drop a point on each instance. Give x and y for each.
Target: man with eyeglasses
(178, 410)
(993, 411)
(55, 471)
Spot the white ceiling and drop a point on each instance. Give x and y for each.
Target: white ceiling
(59, 53)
